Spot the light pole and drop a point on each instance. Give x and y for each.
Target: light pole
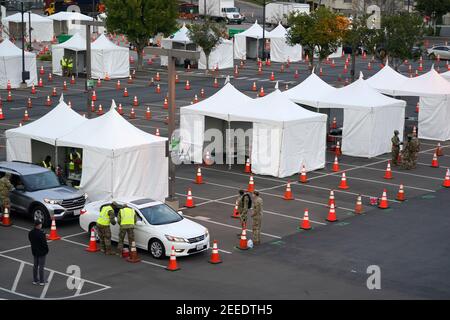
(264, 31)
(25, 74)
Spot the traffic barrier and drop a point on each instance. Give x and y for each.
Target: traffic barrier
(92, 242)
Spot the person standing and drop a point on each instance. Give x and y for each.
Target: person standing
(407, 154)
(127, 220)
(415, 151)
(395, 151)
(5, 187)
(257, 216)
(47, 163)
(105, 219)
(39, 249)
(243, 206)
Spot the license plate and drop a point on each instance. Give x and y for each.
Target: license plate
(76, 212)
(200, 246)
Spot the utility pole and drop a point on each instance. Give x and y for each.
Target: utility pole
(264, 32)
(172, 55)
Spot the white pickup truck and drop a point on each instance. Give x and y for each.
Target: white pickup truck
(220, 10)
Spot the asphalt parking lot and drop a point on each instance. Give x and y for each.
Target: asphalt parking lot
(407, 241)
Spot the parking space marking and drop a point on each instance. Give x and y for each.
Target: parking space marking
(19, 274)
(47, 284)
(153, 264)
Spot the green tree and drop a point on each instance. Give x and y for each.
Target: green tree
(207, 35)
(433, 8)
(321, 31)
(140, 20)
(398, 35)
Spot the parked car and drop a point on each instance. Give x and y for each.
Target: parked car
(442, 51)
(39, 194)
(158, 228)
(347, 49)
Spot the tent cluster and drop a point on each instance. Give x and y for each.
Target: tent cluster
(118, 158)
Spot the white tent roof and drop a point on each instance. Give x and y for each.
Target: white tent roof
(278, 32)
(446, 75)
(255, 31)
(17, 17)
(103, 43)
(358, 95)
(56, 123)
(386, 80)
(75, 43)
(430, 84)
(309, 91)
(68, 16)
(181, 35)
(110, 132)
(9, 49)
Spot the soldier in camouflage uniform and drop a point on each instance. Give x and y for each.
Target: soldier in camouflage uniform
(5, 187)
(395, 151)
(256, 216)
(243, 207)
(407, 154)
(415, 151)
(127, 220)
(105, 218)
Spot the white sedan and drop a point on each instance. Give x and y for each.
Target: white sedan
(158, 227)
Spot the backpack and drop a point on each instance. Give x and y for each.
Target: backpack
(249, 206)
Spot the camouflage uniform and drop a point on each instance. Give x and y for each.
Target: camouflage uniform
(5, 187)
(104, 233)
(124, 230)
(395, 149)
(407, 155)
(257, 215)
(415, 151)
(243, 208)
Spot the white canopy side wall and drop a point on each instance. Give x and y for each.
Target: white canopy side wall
(11, 69)
(57, 55)
(18, 149)
(434, 118)
(281, 51)
(222, 56)
(192, 134)
(115, 63)
(266, 145)
(240, 47)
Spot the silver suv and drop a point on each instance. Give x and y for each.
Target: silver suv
(39, 194)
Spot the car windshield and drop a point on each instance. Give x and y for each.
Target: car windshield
(231, 10)
(41, 181)
(160, 214)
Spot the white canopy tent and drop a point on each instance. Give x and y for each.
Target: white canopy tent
(246, 44)
(284, 136)
(47, 129)
(109, 58)
(386, 80)
(221, 56)
(370, 118)
(67, 22)
(179, 40)
(280, 50)
(42, 26)
(309, 91)
(119, 159)
(11, 65)
(446, 75)
(76, 44)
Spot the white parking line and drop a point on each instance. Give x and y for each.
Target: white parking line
(47, 284)
(19, 274)
(153, 264)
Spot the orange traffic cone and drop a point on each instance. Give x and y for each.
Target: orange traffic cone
(337, 151)
(130, 79)
(195, 99)
(25, 116)
(358, 206)
(189, 200)
(305, 224)
(243, 240)
(29, 104)
(125, 92)
(401, 194)
(296, 74)
(158, 89)
(100, 110)
(414, 131)
(94, 96)
(2, 117)
(251, 185)
(65, 85)
(417, 108)
(135, 101)
(132, 113)
(439, 151)
(303, 177)
(8, 85)
(41, 71)
(288, 193)
(215, 257)
(33, 89)
(215, 84)
(259, 70)
(333, 123)
(236, 71)
(92, 106)
(118, 86)
(107, 78)
(120, 109)
(166, 103)
(254, 88)
(446, 183)
(148, 114)
(157, 77)
(272, 77)
(40, 83)
(434, 162)
(99, 83)
(53, 233)
(248, 168)
(9, 97)
(202, 93)
(54, 94)
(157, 132)
(125, 253)
(6, 221)
(173, 265)
(69, 104)
(133, 258)
(331, 214)
(187, 86)
(261, 92)
(384, 201)
(331, 200)
(92, 243)
(199, 177)
(335, 164)
(72, 80)
(235, 212)
(388, 173)
(48, 103)
(343, 185)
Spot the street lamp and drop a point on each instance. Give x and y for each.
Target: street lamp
(264, 31)
(25, 74)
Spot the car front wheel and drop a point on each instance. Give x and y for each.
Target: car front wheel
(40, 213)
(156, 249)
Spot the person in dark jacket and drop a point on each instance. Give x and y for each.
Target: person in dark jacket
(39, 249)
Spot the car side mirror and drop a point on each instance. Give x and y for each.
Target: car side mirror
(140, 223)
(180, 213)
(20, 188)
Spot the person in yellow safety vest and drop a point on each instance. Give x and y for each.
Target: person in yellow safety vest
(47, 163)
(105, 219)
(74, 161)
(127, 220)
(67, 66)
